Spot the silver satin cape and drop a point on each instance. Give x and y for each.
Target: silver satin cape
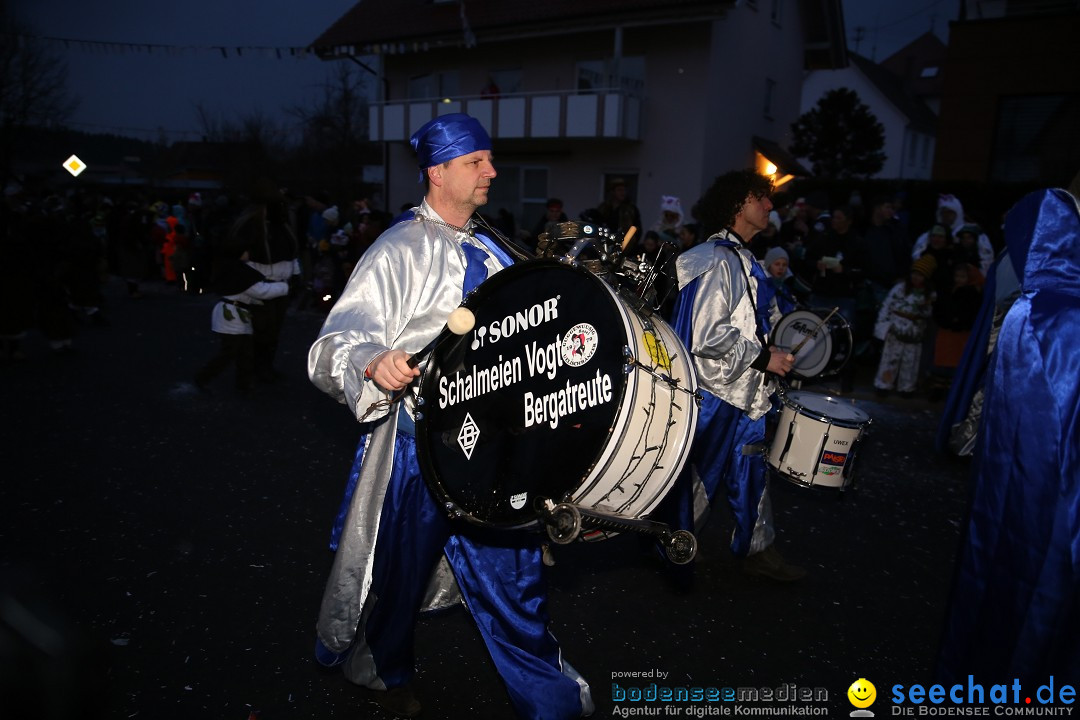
(724, 325)
(398, 297)
(725, 344)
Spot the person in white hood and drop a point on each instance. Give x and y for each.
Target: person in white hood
(950, 213)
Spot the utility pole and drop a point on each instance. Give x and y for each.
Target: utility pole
(859, 30)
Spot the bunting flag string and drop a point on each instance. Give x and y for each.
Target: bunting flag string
(112, 47)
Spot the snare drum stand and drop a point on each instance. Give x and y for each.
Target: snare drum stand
(565, 522)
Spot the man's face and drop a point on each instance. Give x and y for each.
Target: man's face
(755, 212)
(884, 212)
(841, 223)
(553, 212)
(947, 215)
(466, 179)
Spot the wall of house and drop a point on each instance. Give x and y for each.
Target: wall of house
(749, 50)
(991, 62)
(703, 100)
(901, 160)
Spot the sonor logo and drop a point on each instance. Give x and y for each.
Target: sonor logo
(520, 321)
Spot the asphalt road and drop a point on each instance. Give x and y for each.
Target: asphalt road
(176, 545)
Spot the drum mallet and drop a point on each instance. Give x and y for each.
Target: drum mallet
(806, 339)
(459, 322)
(628, 237)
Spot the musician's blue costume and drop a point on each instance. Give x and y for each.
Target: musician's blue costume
(394, 534)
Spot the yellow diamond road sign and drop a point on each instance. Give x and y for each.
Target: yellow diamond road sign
(74, 165)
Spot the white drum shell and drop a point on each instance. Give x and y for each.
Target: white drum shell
(819, 434)
(651, 439)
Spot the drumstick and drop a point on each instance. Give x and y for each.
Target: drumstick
(821, 324)
(459, 322)
(629, 234)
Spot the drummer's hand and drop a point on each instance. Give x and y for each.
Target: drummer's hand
(780, 361)
(391, 370)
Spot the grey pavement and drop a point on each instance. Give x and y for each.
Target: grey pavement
(181, 539)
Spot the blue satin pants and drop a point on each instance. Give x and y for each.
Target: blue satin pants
(501, 580)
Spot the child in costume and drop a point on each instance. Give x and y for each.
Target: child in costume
(901, 323)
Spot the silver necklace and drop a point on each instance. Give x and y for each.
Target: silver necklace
(463, 230)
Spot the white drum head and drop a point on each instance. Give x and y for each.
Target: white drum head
(814, 356)
(815, 405)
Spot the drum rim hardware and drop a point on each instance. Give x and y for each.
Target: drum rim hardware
(565, 522)
(817, 415)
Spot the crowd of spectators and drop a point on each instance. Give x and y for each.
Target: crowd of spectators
(836, 253)
(59, 249)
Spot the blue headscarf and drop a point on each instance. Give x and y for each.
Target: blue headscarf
(447, 137)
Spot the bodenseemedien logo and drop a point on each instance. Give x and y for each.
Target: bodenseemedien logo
(862, 695)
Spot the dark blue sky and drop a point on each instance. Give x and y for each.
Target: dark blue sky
(888, 25)
(136, 93)
(145, 91)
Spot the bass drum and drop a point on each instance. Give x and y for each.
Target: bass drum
(827, 349)
(561, 392)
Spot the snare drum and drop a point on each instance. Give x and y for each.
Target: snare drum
(827, 348)
(816, 440)
(562, 392)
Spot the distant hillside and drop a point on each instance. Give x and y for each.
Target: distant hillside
(36, 145)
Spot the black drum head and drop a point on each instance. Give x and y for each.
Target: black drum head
(520, 409)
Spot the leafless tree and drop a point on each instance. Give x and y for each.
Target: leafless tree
(33, 86)
(334, 126)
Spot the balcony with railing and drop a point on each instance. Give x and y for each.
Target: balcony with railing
(598, 114)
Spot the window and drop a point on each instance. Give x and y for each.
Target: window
(929, 71)
(534, 195)
(776, 12)
(770, 91)
(913, 146)
(1034, 136)
(433, 85)
(505, 82)
(534, 184)
(521, 191)
(595, 75)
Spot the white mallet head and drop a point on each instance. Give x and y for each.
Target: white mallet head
(461, 321)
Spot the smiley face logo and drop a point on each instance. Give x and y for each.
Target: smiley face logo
(862, 693)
